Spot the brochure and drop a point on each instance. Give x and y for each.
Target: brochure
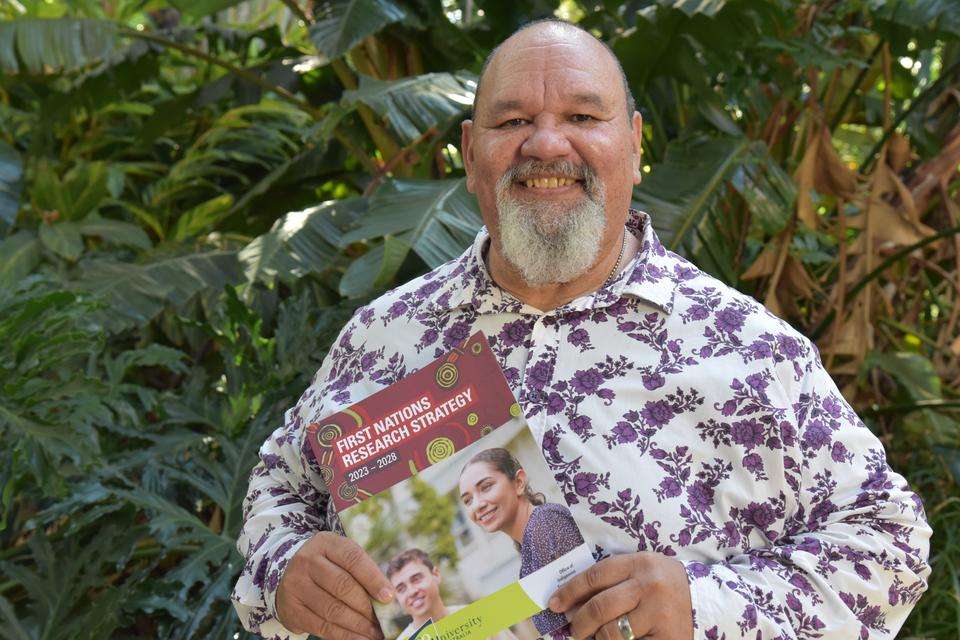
(439, 478)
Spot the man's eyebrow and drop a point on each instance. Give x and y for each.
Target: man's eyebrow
(503, 105)
(589, 98)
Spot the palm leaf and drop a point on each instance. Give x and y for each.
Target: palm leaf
(436, 218)
(300, 242)
(682, 193)
(38, 46)
(19, 254)
(137, 293)
(344, 23)
(414, 105)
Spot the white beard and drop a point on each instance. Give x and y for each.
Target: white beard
(547, 242)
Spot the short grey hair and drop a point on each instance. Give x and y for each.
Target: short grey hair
(630, 102)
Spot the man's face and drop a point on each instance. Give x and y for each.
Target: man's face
(417, 588)
(551, 154)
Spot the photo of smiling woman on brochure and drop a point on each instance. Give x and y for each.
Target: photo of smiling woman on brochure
(497, 497)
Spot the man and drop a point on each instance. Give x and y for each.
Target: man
(416, 583)
(703, 449)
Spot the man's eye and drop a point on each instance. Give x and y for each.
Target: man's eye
(512, 122)
(582, 117)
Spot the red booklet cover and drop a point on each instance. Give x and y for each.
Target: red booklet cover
(448, 444)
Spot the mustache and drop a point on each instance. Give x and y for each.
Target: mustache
(531, 169)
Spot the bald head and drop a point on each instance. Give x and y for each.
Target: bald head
(553, 29)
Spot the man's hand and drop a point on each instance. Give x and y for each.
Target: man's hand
(649, 588)
(326, 589)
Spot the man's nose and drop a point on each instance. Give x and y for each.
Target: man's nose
(546, 142)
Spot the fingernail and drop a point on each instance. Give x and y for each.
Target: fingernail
(385, 595)
(554, 604)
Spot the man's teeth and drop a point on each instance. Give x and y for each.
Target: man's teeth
(549, 183)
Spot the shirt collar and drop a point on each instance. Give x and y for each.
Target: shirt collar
(652, 276)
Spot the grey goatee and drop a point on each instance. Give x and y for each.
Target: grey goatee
(550, 242)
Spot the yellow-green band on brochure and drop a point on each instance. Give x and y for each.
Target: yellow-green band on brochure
(485, 617)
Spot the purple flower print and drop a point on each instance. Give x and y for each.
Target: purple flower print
(698, 312)
(368, 360)
(657, 413)
(585, 484)
(587, 381)
(759, 349)
(555, 404)
(788, 433)
(397, 309)
(670, 488)
(550, 441)
(698, 569)
(579, 337)
(580, 425)
(540, 375)
(513, 333)
(457, 332)
(788, 346)
(760, 515)
(729, 319)
(757, 381)
(599, 508)
(838, 452)
(817, 435)
(624, 432)
(700, 496)
(753, 463)
(748, 433)
(653, 381)
(428, 288)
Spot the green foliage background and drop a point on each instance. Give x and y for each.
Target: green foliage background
(195, 195)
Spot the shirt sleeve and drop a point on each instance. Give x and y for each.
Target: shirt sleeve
(852, 559)
(286, 504)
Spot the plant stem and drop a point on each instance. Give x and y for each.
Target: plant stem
(246, 74)
(927, 93)
(874, 273)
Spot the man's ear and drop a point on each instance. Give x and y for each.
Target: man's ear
(637, 138)
(466, 151)
(436, 572)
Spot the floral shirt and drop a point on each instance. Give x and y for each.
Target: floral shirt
(678, 416)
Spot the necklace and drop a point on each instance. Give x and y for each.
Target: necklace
(616, 267)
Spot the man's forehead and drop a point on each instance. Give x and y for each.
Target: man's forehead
(410, 569)
(564, 61)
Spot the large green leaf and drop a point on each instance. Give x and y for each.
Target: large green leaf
(202, 217)
(344, 23)
(37, 46)
(115, 231)
(414, 105)
(63, 238)
(437, 218)
(11, 174)
(681, 195)
(136, 293)
(925, 17)
(300, 242)
(375, 269)
(19, 254)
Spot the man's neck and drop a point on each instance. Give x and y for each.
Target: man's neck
(549, 296)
